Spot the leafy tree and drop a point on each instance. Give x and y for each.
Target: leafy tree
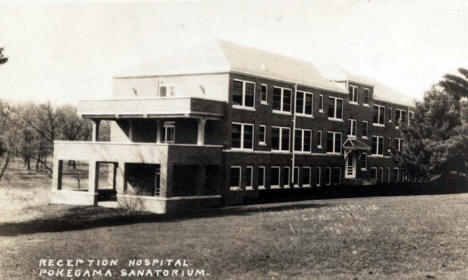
(8, 137)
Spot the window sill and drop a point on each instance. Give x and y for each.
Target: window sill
(280, 152)
(261, 187)
(249, 188)
(234, 188)
(333, 154)
(354, 103)
(366, 105)
(262, 144)
(364, 137)
(302, 152)
(320, 147)
(282, 112)
(263, 102)
(305, 115)
(276, 187)
(335, 119)
(320, 110)
(241, 150)
(243, 107)
(378, 125)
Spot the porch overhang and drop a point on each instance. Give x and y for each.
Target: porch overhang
(167, 107)
(351, 145)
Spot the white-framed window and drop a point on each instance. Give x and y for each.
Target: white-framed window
(377, 145)
(318, 176)
(280, 138)
(363, 161)
(242, 136)
(389, 175)
(396, 174)
(319, 139)
(264, 94)
(390, 114)
(353, 94)
(335, 109)
(400, 117)
(379, 115)
(275, 177)
(249, 178)
(328, 176)
(285, 177)
(306, 176)
(236, 178)
(166, 90)
(304, 103)
(334, 142)
(374, 173)
(336, 175)
(262, 134)
(303, 140)
(398, 144)
(169, 132)
(261, 177)
(352, 127)
(365, 95)
(321, 103)
(243, 94)
(295, 177)
(282, 99)
(364, 129)
(381, 174)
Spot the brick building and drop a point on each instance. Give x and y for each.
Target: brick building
(219, 123)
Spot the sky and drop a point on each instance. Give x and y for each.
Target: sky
(64, 51)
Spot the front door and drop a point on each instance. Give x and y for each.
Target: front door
(351, 166)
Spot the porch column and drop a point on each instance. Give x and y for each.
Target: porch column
(201, 131)
(120, 177)
(95, 135)
(166, 180)
(201, 178)
(57, 175)
(158, 131)
(93, 179)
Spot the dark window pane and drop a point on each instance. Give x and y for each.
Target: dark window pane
(295, 178)
(308, 104)
(305, 176)
(374, 145)
(264, 93)
(321, 102)
(319, 138)
(317, 176)
(248, 177)
(364, 161)
(329, 142)
(236, 136)
(331, 108)
(381, 146)
(287, 100)
(275, 176)
(375, 118)
(275, 132)
(337, 143)
(162, 91)
(339, 109)
(285, 139)
(307, 140)
(276, 99)
(248, 132)
(261, 176)
(237, 93)
(285, 177)
(235, 177)
(249, 94)
(364, 129)
(382, 115)
(261, 134)
(300, 102)
(298, 140)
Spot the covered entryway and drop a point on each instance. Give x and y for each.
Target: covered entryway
(353, 151)
(350, 166)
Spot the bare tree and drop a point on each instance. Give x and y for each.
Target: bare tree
(8, 137)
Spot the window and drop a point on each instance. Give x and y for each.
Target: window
(379, 115)
(285, 177)
(400, 117)
(374, 173)
(389, 143)
(242, 136)
(248, 177)
(275, 177)
(305, 180)
(410, 117)
(166, 90)
(235, 178)
(364, 129)
(264, 94)
(353, 94)
(352, 128)
(295, 178)
(318, 174)
(335, 109)
(398, 144)
(396, 174)
(243, 94)
(336, 175)
(365, 94)
(388, 175)
(390, 114)
(334, 142)
(262, 135)
(280, 138)
(261, 177)
(282, 99)
(381, 175)
(377, 145)
(328, 176)
(319, 139)
(304, 103)
(321, 103)
(302, 140)
(169, 132)
(364, 161)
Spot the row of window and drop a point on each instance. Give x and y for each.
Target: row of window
(399, 117)
(378, 144)
(281, 177)
(390, 175)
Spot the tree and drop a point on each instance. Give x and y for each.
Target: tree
(8, 137)
(437, 140)
(3, 59)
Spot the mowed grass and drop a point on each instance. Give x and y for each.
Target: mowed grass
(410, 237)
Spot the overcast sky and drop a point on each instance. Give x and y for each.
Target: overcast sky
(66, 51)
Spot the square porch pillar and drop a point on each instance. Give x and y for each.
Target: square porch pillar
(166, 180)
(201, 131)
(120, 177)
(95, 133)
(93, 179)
(158, 131)
(57, 175)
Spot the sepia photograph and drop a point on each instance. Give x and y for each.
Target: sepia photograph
(245, 140)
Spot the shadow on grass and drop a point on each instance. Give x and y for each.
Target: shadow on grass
(89, 217)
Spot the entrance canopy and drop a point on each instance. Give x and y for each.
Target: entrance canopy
(355, 145)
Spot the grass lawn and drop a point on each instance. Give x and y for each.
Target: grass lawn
(410, 237)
